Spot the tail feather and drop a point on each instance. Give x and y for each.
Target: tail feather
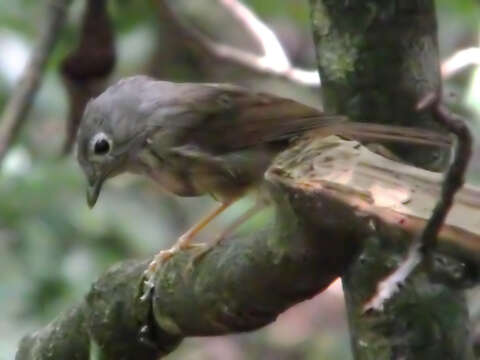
(392, 133)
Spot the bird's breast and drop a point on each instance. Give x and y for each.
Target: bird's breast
(169, 177)
(186, 177)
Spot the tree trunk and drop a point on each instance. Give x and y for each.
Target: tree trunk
(377, 59)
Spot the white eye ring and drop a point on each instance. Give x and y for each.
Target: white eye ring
(101, 144)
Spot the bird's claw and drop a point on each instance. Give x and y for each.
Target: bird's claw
(160, 258)
(203, 250)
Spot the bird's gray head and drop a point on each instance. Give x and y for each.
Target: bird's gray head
(110, 134)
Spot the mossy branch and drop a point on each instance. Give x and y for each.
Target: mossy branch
(321, 222)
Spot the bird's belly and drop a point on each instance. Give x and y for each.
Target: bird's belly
(199, 180)
(222, 188)
(224, 179)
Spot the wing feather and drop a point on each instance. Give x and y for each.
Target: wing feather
(223, 118)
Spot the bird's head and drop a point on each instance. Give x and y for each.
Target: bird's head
(108, 137)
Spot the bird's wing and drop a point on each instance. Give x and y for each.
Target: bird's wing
(225, 118)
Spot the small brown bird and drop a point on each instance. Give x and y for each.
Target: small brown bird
(196, 139)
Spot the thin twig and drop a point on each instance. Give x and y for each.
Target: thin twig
(22, 97)
(455, 176)
(454, 180)
(274, 61)
(260, 32)
(460, 60)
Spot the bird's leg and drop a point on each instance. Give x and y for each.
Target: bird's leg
(185, 239)
(252, 211)
(183, 242)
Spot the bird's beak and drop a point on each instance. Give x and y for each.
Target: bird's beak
(93, 191)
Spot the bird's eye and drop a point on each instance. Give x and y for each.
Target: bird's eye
(101, 147)
(101, 144)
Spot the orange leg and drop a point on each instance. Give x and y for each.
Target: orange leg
(185, 240)
(248, 214)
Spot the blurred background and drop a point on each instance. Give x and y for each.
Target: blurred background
(52, 247)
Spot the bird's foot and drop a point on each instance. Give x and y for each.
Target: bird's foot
(183, 243)
(202, 251)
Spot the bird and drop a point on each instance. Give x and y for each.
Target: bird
(204, 139)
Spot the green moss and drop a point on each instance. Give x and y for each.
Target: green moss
(320, 20)
(340, 56)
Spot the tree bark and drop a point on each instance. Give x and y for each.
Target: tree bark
(377, 59)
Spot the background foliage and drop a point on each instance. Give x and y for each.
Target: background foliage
(52, 246)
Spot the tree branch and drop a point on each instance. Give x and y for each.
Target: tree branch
(322, 215)
(274, 61)
(22, 97)
(459, 61)
(259, 31)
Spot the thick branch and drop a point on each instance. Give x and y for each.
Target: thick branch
(22, 97)
(323, 211)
